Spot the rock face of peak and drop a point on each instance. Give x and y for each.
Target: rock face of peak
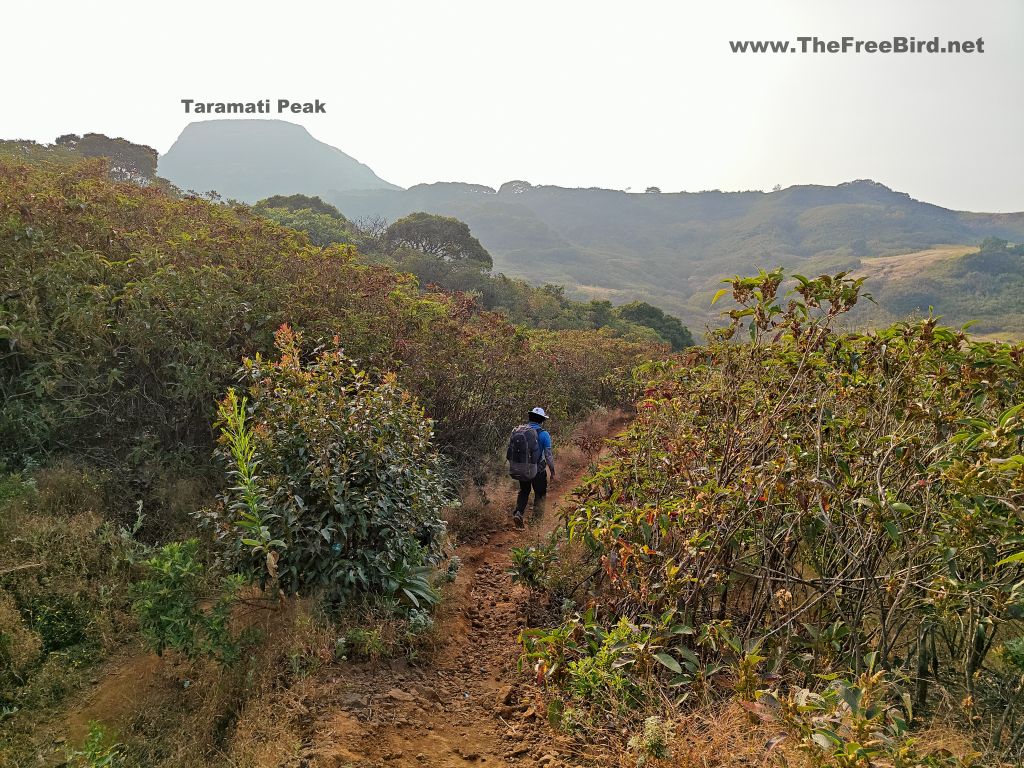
(252, 159)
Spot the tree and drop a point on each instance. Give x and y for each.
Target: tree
(128, 161)
(993, 245)
(323, 228)
(667, 326)
(601, 313)
(653, 190)
(445, 237)
(299, 203)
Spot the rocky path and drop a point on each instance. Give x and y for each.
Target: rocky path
(470, 704)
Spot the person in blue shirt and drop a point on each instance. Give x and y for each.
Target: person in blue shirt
(539, 484)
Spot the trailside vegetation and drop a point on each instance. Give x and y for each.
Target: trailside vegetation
(126, 312)
(826, 526)
(203, 410)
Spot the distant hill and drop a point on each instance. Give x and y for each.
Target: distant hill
(252, 159)
(670, 249)
(673, 248)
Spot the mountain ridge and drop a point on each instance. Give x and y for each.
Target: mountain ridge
(673, 248)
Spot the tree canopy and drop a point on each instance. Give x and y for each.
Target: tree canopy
(544, 306)
(128, 161)
(445, 237)
(300, 203)
(667, 326)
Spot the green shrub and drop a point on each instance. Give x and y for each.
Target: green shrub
(601, 668)
(337, 489)
(14, 486)
(363, 643)
(452, 570)
(654, 742)
(855, 723)
(1013, 653)
(98, 751)
(530, 564)
(594, 679)
(169, 604)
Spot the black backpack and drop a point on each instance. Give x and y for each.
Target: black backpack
(523, 453)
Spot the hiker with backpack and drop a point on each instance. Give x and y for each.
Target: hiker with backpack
(529, 460)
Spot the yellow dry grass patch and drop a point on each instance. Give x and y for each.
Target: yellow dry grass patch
(907, 266)
(598, 292)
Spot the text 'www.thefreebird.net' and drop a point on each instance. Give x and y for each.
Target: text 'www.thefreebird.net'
(855, 45)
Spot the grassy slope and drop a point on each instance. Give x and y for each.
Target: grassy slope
(947, 278)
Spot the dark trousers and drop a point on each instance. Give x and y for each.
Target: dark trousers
(539, 484)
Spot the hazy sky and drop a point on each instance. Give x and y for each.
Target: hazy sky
(574, 93)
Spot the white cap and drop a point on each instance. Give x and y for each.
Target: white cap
(538, 411)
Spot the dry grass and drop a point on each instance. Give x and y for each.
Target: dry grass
(909, 266)
(729, 737)
(181, 714)
(267, 727)
(63, 490)
(19, 645)
(484, 509)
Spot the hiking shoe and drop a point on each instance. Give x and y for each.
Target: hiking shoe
(517, 520)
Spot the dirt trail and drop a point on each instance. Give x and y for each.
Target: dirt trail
(465, 704)
(469, 705)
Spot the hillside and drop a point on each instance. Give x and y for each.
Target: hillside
(251, 159)
(157, 349)
(671, 249)
(674, 248)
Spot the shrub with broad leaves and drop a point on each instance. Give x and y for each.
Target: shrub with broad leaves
(337, 488)
(808, 498)
(177, 611)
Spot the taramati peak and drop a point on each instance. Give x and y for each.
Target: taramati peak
(252, 159)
